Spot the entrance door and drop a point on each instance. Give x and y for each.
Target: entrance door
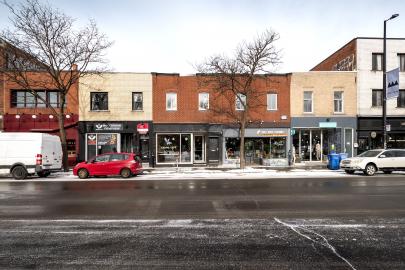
(213, 149)
(348, 148)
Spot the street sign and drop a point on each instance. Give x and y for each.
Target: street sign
(388, 127)
(392, 83)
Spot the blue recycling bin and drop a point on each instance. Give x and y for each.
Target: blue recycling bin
(334, 161)
(343, 156)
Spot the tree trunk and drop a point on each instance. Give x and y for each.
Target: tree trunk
(62, 133)
(242, 145)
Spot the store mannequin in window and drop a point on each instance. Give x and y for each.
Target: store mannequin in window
(318, 151)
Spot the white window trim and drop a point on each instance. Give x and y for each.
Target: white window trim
(241, 102)
(268, 104)
(312, 102)
(175, 99)
(174, 133)
(343, 102)
(199, 101)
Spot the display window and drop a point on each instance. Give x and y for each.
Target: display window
(100, 143)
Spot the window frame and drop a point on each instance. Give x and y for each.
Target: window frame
(133, 101)
(174, 107)
(36, 102)
(401, 65)
(312, 101)
(341, 101)
(374, 61)
(372, 98)
(91, 102)
(269, 103)
(240, 99)
(399, 105)
(200, 95)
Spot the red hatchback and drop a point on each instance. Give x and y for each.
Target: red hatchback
(124, 164)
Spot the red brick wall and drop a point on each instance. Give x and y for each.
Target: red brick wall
(340, 57)
(188, 87)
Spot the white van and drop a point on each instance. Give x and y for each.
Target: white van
(24, 153)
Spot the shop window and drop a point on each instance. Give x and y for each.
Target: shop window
(168, 148)
(99, 101)
(232, 146)
(185, 155)
(100, 143)
(377, 61)
(308, 106)
(171, 101)
(401, 99)
(240, 102)
(137, 101)
(278, 147)
(338, 101)
(376, 98)
(401, 58)
(271, 102)
(203, 101)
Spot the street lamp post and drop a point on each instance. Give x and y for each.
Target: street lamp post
(384, 107)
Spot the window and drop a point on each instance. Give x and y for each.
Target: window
(240, 102)
(137, 101)
(377, 98)
(271, 102)
(171, 102)
(99, 101)
(338, 101)
(203, 101)
(118, 157)
(42, 99)
(307, 101)
(401, 58)
(377, 61)
(401, 99)
(103, 158)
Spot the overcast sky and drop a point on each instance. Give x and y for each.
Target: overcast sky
(170, 36)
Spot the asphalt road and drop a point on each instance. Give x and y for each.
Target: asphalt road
(342, 223)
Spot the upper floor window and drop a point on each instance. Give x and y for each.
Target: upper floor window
(137, 101)
(42, 99)
(338, 101)
(171, 101)
(271, 102)
(401, 59)
(240, 102)
(377, 98)
(401, 99)
(99, 101)
(308, 106)
(203, 101)
(377, 61)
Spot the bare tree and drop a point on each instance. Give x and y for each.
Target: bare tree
(44, 40)
(232, 79)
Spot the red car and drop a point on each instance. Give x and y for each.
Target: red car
(124, 164)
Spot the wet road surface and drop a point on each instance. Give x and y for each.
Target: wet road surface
(350, 223)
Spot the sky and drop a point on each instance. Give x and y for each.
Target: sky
(174, 36)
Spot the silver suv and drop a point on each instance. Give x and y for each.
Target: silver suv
(373, 160)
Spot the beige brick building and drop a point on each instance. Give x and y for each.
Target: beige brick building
(323, 114)
(115, 114)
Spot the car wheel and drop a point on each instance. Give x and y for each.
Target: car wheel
(370, 170)
(83, 173)
(387, 172)
(19, 173)
(349, 171)
(125, 173)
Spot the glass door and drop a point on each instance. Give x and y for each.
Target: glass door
(305, 145)
(199, 149)
(349, 142)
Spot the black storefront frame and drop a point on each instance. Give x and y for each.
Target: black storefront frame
(125, 128)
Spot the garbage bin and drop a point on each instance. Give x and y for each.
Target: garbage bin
(343, 156)
(334, 160)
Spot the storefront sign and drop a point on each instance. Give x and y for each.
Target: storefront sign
(108, 126)
(272, 133)
(373, 134)
(327, 124)
(142, 128)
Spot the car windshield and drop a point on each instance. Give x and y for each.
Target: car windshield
(371, 153)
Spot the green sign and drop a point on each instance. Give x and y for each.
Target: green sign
(327, 124)
(292, 132)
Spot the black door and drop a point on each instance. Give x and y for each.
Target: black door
(213, 150)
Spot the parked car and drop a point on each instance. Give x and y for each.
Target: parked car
(27, 153)
(124, 164)
(374, 160)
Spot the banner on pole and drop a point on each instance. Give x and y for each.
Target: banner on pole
(393, 83)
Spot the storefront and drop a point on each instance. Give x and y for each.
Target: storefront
(370, 133)
(313, 138)
(266, 146)
(103, 137)
(185, 144)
